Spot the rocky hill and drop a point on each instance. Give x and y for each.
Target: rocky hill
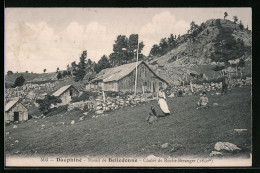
(196, 52)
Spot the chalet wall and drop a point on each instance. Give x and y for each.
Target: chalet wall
(66, 98)
(111, 86)
(94, 86)
(23, 113)
(145, 79)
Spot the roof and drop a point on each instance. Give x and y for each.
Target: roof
(62, 90)
(119, 72)
(11, 104)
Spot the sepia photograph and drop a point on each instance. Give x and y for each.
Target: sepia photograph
(128, 87)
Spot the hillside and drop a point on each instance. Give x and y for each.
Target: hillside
(30, 77)
(198, 51)
(125, 132)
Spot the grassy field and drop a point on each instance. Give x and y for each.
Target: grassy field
(124, 132)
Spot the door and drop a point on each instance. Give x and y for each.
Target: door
(154, 87)
(16, 116)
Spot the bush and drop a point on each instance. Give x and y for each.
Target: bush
(19, 81)
(44, 104)
(58, 110)
(10, 72)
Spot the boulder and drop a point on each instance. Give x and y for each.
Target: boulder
(240, 130)
(215, 104)
(98, 107)
(99, 112)
(72, 122)
(215, 153)
(165, 145)
(226, 146)
(81, 118)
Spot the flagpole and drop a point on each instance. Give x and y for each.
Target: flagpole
(136, 65)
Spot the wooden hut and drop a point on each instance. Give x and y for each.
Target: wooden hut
(15, 111)
(122, 78)
(66, 93)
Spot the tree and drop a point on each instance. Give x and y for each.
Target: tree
(141, 46)
(59, 76)
(218, 24)
(44, 104)
(225, 15)
(241, 26)
(132, 46)
(64, 73)
(44, 70)
(19, 81)
(171, 41)
(10, 72)
(227, 47)
(155, 50)
(73, 64)
(193, 27)
(79, 73)
(120, 50)
(103, 63)
(241, 63)
(235, 19)
(82, 60)
(125, 50)
(26, 71)
(58, 69)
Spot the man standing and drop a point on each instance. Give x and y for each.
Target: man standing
(224, 85)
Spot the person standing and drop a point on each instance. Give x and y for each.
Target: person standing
(162, 102)
(224, 85)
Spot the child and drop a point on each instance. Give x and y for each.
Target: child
(152, 117)
(203, 101)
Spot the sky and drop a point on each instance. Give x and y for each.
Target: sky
(47, 38)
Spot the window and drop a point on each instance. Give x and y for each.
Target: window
(70, 92)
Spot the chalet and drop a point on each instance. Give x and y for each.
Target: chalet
(122, 78)
(66, 93)
(15, 111)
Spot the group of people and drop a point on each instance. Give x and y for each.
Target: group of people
(162, 102)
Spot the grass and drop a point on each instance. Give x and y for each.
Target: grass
(124, 132)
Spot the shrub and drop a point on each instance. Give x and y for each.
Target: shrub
(10, 72)
(44, 104)
(58, 110)
(19, 81)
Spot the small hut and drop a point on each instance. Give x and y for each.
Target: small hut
(66, 93)
(15, 111)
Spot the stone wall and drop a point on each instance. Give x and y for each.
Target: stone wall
(28, 93)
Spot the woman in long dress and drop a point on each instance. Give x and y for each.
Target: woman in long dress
(162, 102)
